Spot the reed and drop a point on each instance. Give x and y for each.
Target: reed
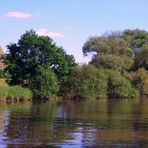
(15, 91)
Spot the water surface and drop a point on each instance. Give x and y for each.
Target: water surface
(72, 124)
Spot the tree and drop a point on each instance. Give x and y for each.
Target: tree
(31, 51)
(142, 58)
(1, 59)
(110, 51)
(140, 80)
(87, 81)
(136, 38)
(44, 84)
(119, 86)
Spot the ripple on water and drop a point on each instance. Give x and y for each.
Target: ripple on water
(79, 124)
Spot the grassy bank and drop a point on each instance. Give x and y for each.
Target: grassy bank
(13, 91)
(3, 82)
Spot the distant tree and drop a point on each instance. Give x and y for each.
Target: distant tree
(31, 51)
(110, 51)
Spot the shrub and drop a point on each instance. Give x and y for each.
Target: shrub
(142, 57)
(119, 86)
(140, 80)
(44, 83)
(86, 81)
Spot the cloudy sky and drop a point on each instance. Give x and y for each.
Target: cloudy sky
(70, 22)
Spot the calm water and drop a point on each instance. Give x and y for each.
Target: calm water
(95, 123)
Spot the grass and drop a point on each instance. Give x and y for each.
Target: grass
(3, 82)
(13, 91)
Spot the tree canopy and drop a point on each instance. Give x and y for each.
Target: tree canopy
(118, 68)
(142, 58)
(125, 56)
(110, 51)
(31, 51)
(136, 38)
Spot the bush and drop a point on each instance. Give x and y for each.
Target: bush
(4, 74)
(44, 83)
(119, 86)
(140, 80)
(86, 81)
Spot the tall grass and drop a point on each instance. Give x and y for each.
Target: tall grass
(3, 82)
(15, 91)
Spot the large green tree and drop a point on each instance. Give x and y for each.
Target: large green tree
(31, 51)
(110, 51)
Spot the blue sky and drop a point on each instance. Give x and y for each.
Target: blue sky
(70, 22)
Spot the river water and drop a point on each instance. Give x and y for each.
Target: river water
(74, 124)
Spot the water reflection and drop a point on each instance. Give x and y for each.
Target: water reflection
(90, 123)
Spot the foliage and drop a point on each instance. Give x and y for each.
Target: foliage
(121, 54)
(136, 38)
(119, 66)
(1, 60)
(119, 86)
(15, 91)
(140, 80)
(87, 81)
(110, 51)
(32, 51)
(142, 58)
(44, 84)
(3, 74)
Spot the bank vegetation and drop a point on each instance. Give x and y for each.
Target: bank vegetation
(36, 67)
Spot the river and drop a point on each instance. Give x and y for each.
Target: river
(73, 124)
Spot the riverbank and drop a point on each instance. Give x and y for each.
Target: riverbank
(13, 93)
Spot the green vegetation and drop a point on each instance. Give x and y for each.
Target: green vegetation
(44, 83)
(86, 81)
(32, 54)
(118, 68)
(140, 80)
(142, 58)
(121, 55)
(119, 86)
(7, 91)
(110, 51)
(1, 59)
(32, 51)
(15, 91)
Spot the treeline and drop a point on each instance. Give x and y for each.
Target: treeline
(118, 68)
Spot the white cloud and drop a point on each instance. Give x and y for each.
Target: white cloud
(17, 14)
(46, 32)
